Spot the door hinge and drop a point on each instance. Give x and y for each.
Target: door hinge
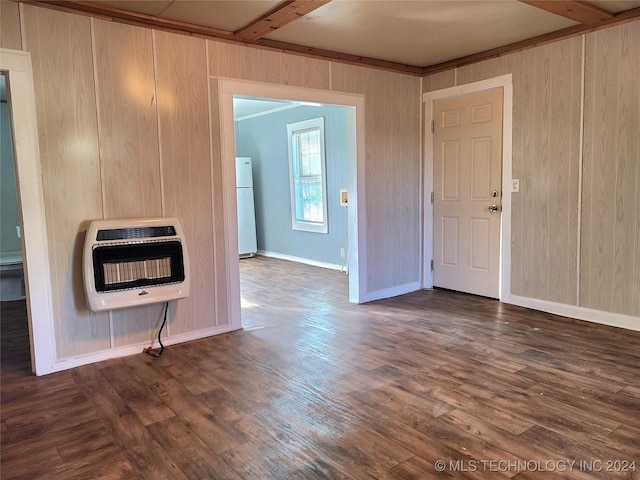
(432, 265)
(433, 197)
(433, 126)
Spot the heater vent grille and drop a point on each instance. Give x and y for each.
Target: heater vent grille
(126, 265)
(130, 262)
(133, 271)
(133, 233)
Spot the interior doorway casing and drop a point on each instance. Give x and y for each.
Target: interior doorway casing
(504, 82)
(17, 65)
(356, 226)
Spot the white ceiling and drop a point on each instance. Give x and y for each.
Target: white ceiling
(418, 33)
(244, 108)
(227, 15)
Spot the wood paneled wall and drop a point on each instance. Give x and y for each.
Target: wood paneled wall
(129, 126)
(546, 218)
(113, 145)
(392, 124)
(10, 36)
(546, 146)
(219, 241)
(610, 239)
(60, 47)
(236, 61)
(127, 120)
(186, 167)
(392, 172)
(129, 151)
(140, 135)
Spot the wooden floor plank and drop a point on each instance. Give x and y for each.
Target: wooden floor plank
(586, 449)
(317, 388)
(116, 414)
(194, 457)
(199, 417)
(153, 462)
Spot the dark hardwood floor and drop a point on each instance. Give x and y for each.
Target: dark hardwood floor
(317, 388)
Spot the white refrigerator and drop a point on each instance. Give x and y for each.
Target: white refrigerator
(247, 242)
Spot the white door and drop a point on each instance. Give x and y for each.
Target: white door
(467, 181)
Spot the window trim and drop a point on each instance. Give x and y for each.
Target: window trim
(301, 225)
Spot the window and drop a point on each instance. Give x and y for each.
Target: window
(308, 175)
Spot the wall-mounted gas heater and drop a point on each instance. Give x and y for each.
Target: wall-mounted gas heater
(134, 261)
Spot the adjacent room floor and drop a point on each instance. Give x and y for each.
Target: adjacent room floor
(317, 388)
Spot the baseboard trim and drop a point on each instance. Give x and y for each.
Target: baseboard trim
(306, 261)
(596, 316)
(391, 292)
(78, 361)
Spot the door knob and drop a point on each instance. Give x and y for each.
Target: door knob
(493, 209)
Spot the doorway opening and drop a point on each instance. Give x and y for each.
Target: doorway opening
(503, 83)
(15, 327)
(16, 66)
(350, 219)
(291, 176)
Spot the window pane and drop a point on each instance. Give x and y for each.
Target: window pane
(306, 153)
(314, 164)
(309, 202)
(307, 175)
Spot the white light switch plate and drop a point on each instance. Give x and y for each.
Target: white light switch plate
(515, 185)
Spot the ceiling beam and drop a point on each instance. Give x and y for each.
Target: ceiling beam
(277, 18)
(581, 12)
(620, 18)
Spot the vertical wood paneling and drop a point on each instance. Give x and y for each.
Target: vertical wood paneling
(515, 66)
(126, 155)
(626, 298)
(237, 61)
(60, 46)
(611, 210)
(186, 167)
(522, 250)
(392, 118)
(129, 150)
(220, 250)
(127, 119)
(439, 81)
(563, 168)
(10, 35)
(538, 185)
(601, 101)
(550, 190)
(546, 144)
(631, 45)
(306, 72)
(480, 71)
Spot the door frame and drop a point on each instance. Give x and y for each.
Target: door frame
(356, 227)
(504, 82)
(37, 275)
